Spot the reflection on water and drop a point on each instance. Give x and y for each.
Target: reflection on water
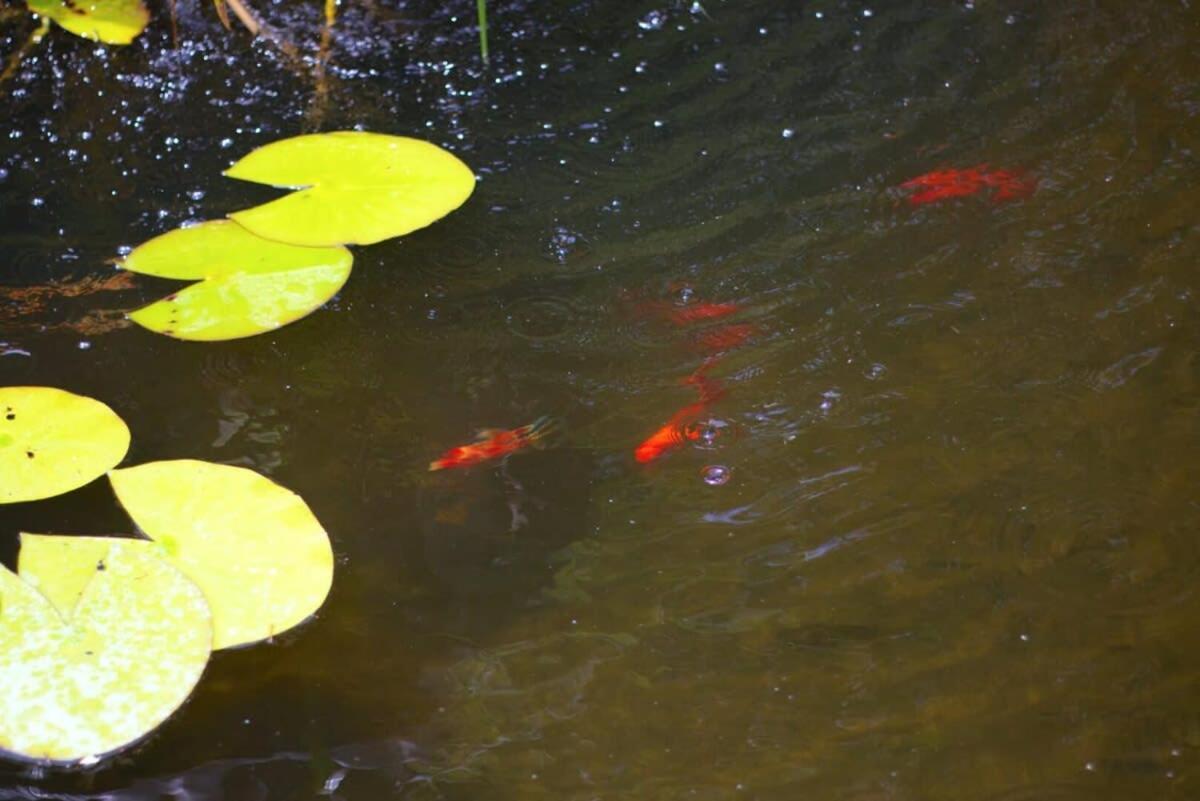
(951, 549)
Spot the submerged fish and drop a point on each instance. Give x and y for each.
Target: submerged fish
(681, 427)
(683, 315)
(494, 443)
(725, 338)
(943, 184)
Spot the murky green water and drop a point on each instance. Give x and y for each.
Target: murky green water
(956, 557)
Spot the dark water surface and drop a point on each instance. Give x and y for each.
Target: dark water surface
(956, 557)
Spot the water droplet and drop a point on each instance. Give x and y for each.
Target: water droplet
(652, 21)
(715, 474)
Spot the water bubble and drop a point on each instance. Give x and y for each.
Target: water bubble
(788, 133)
(563, 243)
(715, 475)
(652, 21)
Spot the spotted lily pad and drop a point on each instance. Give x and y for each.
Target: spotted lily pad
(354, 187)
(52, 441)
(108, 21)
(81, 683)
(255, 548)
(248, 284)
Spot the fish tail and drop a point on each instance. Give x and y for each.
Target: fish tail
(541, 429)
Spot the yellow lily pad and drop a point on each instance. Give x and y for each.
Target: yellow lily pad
(53, 441)
(108, 21)
(255, 548)
(78, 686)
(355, 187)
(59, 566)
(248, 284)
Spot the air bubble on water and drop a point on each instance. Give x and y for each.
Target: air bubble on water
(788, 133)
(652, 21)
(563, 243)
(828, 398)
(715, 475)
(38, 201)
(876, 371)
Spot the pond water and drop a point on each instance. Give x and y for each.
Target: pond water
(936, 538)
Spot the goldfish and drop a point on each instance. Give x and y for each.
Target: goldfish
(725, 338)
(700, 311)
(942, 184)
(678, 430)
(681, 427)
(494, 443)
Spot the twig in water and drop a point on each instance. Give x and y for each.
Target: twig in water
(481, 9)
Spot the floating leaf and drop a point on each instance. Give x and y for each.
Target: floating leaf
(60, 566)
(248, 284)
(262, 559)
(108, 21)
(52, 441)
(356, 187)
(78, 686)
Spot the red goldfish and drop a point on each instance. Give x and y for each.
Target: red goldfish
(493, 443)
(942, 184)
(700, 311)
(681, 315)
(680, 428)
(727, 337)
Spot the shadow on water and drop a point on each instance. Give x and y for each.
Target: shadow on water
(954, 556)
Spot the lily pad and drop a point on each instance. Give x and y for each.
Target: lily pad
(60, 566)
(53, 441)
(80, 685)
(248, 284)
(108, 21)
(255, 548)
(355, 187)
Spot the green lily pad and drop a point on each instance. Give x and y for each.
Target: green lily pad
(355, 187)
(255, 548)
(52, 441)
(77, 686)
(108, 21)
(248, 284)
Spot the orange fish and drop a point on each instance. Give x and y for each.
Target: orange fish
(494, 443)
(678, 430)
(700, 311)
(942, 184)
(727, 337)
(681, 427)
